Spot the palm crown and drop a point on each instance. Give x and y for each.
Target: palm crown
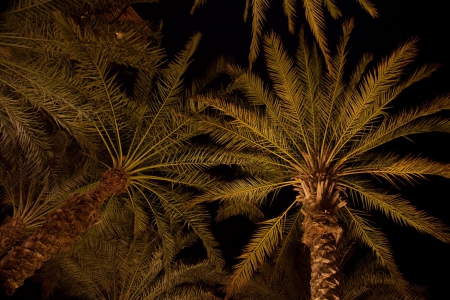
(318, 133)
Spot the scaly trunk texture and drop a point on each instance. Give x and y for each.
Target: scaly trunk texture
(321, 234)
(78, 213)
(11, 233)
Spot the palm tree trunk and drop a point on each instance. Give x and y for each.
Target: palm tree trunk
(78, 213)
(321, 232)
(11, 233)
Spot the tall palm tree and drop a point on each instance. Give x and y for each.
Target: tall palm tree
(319, 134)
(123, 258)
(314, 11)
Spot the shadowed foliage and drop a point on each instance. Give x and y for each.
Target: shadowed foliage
(363, 279)
(29, 202)
(123, 258)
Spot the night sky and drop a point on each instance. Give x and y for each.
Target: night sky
(423, 259)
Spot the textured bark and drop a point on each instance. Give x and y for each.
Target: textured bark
(321, 234)
(11, 233)
(78, 213)
(321, 231)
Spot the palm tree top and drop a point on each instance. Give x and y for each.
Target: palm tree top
(320, 132)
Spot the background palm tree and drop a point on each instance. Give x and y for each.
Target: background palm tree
(142, 127)
(314, 12)
(319, 133)
(53, 77)
(123, 258)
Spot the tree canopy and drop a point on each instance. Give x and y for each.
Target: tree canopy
(111, 148)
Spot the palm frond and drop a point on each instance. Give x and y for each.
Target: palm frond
(335, 85)
(196, 218)
(389, 166)
(405, 123)
(400, 211)
(291, 238)
(111, 261)
(316, 21)
(283, 73)
(252, 190)
(310, 74)
(32, 140)
(332, 8)
(369, 280)
(259, 11)
(360, 229)
(246, 130)
(262, 245)
(386, 74)
(289, 7)
(368, 7)
(232, 208)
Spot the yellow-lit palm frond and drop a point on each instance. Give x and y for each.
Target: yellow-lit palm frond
(259, 11)
(262, 245)
(360, 229)
(232, 208)
(252, 190)
(31, 141)
(402, 168)
(399, 210)
(404, 123)
(292, 231)
(248, 130)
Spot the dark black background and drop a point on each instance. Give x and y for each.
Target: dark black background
(423, 259)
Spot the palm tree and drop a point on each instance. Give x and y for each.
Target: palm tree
(314, 11)
(148, 151)
(319, 133)
(46, 114)
(123, 258)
